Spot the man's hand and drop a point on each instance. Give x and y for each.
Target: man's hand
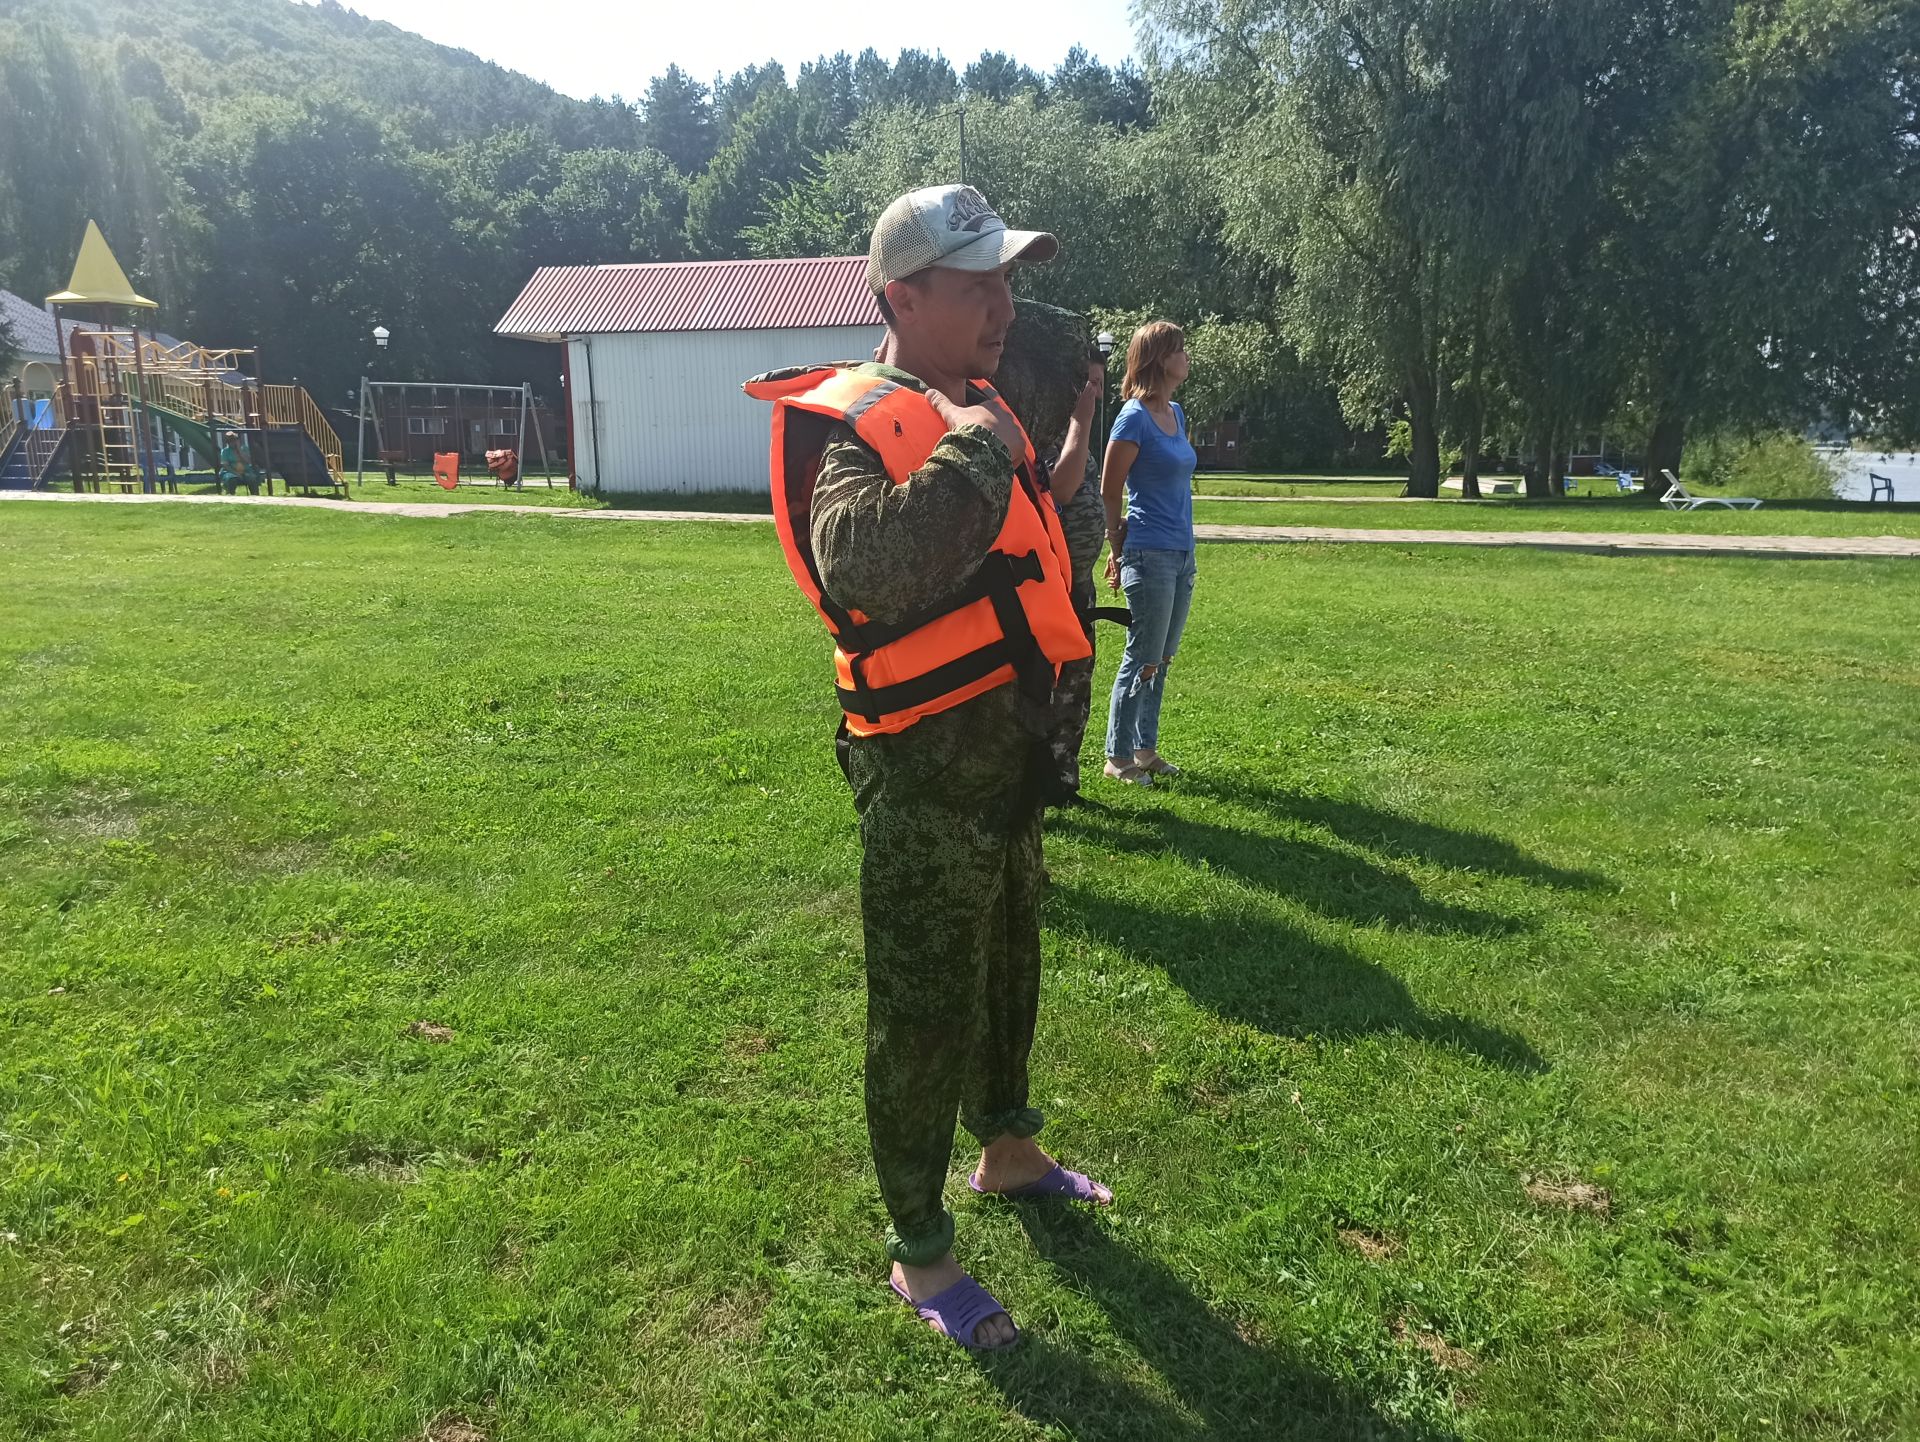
(1089, 396)
(994, 415)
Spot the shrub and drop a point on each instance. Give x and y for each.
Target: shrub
(1776, 466)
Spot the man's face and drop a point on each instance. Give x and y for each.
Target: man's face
(959, 317)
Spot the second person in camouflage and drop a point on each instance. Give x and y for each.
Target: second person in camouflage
(1050, 378)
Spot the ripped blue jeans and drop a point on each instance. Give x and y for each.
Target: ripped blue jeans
(1159, 587)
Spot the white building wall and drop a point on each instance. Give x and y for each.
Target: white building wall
(664, 412)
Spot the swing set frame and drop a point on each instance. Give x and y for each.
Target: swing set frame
(523, 394)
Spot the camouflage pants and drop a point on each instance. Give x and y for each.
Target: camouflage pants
(1072, 705)
(950, 880)
(1083, 519)
(1083, 523)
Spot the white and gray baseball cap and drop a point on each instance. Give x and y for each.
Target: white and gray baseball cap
(950, 226)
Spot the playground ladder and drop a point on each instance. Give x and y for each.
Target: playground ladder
(119, 441)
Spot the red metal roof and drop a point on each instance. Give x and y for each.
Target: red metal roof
(564, 300)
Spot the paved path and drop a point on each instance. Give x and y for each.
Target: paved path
(428, 509)
(1345, 500)
(1610, 543)
(1606, 543)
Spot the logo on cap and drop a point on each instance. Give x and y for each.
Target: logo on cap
(967, 209)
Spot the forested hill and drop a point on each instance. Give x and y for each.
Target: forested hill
(272, 172)
(190, 55)
(289, 175)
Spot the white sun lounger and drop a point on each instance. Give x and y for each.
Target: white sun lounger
(1679, 498)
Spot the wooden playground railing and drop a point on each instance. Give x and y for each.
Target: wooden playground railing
(292, 406)
(199, 397)
(216, 403)
(184, 356)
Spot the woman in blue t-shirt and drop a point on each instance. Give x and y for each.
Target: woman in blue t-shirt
(1150, 462)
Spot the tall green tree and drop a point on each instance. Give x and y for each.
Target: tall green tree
(1319, 112)
(320, 223)
(998, 76)
(1100, 94)
(1377, 157)
(612, 205)
(1775, 166)
(765, 156)
(676, 119)
(913, 78)
(824, 90)
(1041, 166)
(739, 92)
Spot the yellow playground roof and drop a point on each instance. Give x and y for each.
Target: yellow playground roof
(98, 279)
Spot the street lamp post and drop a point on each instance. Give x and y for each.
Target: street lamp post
(1105, 344)
(380, 335)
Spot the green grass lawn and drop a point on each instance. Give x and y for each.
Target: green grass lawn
(430, 990)
(479, 490)
(1776, 518)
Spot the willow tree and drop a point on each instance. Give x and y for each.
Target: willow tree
(1764, 206)
(1393, 161)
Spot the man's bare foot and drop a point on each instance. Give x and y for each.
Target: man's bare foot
(921, 1283)
(1010, 1163)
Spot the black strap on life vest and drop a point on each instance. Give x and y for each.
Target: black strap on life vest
(998, 580)
(863, 636)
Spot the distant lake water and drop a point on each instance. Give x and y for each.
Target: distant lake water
(1851, 467)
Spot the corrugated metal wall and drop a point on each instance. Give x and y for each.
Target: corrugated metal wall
(665, 412)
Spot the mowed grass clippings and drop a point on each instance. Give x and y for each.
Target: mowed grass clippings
(431, 999)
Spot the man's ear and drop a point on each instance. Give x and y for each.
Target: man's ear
(900, 297)
(904, 296)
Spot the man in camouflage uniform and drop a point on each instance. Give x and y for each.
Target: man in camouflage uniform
(951, 865)
(1047, 378)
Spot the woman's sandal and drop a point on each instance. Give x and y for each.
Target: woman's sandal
(1074, 1186)
(1159, 766)
(1131, 774)
(958, 1312)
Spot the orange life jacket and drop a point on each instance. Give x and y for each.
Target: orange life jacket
(1013, 621)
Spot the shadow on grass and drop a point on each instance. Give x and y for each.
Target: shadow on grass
(1231, 1385)
(1396, 835)
(1276, 975)
(1331, 881)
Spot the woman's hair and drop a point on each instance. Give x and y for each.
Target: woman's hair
(1147, 356)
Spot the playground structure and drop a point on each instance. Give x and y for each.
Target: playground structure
(120, 399)
(123, 401)
(476, 430)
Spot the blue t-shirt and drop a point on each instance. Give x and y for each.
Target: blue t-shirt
(1160, 485)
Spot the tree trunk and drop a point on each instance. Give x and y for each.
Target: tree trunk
(1664, 446)
(1476, 404)
(1470, 455)
(1423, 407)
(1539, 473)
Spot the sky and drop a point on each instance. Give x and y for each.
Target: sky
(599, 47)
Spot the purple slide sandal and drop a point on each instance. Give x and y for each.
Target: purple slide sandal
(958, 1311)
(1074, 1186)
